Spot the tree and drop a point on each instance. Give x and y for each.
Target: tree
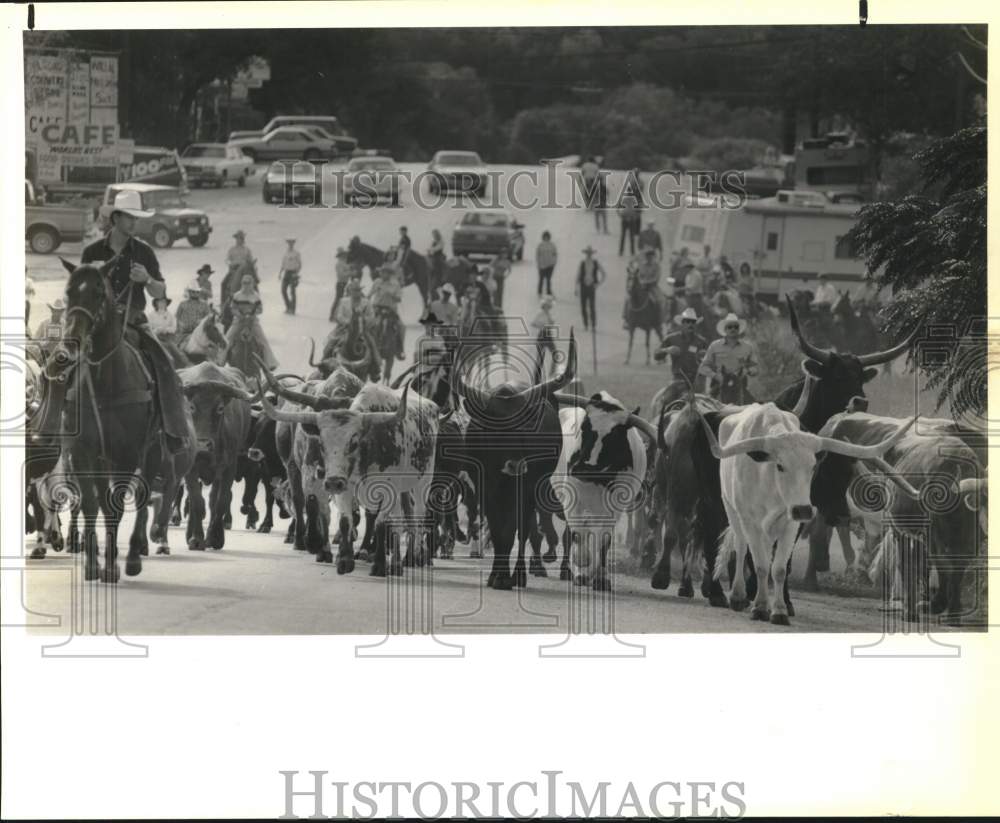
(930, 249)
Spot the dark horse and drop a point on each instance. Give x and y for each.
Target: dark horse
(416, 268)
(641, 312)
(732, 388)
(111, 405)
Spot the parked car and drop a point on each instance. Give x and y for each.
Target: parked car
(462, 171)
(287, 143)
(370, 178)
(330, 125)
(215, 164)
(303, 181)
(47, 227)
(172, 218)
(488, 231)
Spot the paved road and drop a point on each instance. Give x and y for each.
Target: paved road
(257, 584)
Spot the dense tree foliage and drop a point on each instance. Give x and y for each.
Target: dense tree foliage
(637, 94)
(930, 249)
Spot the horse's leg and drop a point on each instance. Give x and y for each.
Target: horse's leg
(268, 522)
(112, 517)
(89, 506)
(631, 335)
(175, 515)
(647, 347)
(196, 513)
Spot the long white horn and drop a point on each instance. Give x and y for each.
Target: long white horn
(890, 472)
(643, 426)
(751, 444)
(807, 387)
(860, 452)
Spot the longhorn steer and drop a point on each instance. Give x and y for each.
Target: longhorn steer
(837, 383)
(220, 408)
(765, 469)
(932, 507)
(598, 479)
(514, 441)
(382, 446)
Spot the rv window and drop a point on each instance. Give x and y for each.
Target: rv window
(813, 251)
(772, 241)
(845, 249)
(834, 175)
(692, 234)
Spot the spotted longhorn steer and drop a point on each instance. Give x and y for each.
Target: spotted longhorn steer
(302, 454)
(598, 479)
(379, 452)
(931, 507)
(766, 465)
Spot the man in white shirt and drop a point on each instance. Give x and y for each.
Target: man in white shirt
(291, 264)
(826, 294)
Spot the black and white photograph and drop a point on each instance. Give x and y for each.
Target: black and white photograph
(588, 332)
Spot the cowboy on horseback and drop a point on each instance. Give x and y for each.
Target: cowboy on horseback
(354, 310)
(133, 270)
(386, 295)
(686, 349)
(730, 357)
(648, 272)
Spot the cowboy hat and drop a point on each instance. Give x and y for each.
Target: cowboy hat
(194, 288)
(166, 299)
(206, 269)
(688, 314)
(589, 250)
(430, 319)
(728, 320)
(130, 203)
(59, 305)
(240, 233)
(290, 239)
(447, 288)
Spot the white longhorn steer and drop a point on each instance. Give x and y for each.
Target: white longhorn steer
(379, 453)
(765, 470)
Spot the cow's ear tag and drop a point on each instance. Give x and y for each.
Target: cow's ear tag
(760, 457)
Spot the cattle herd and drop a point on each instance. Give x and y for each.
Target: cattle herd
(731, 488)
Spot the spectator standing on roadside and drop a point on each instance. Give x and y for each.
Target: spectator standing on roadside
(630, 217)
(343, 271)
(291, 265)
(546, 256)
(589, 276)
(500, 268)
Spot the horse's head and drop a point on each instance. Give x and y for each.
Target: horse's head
(90, 305)
(210, 328)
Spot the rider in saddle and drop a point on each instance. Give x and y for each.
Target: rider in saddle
(191, 311)
(402, 247)
(686, 349)
(730, 352)
(648, 271)
(431, 353)
(355, 304)
(247, 306)
(134, 272)
(386, 295)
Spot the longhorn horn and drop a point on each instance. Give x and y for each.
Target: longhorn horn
(810, 350)
(564, 399)
(803, 401)
(295, 418)
(313, 401)
(312, 353)
(468, 393)
(397, 417)
(560, 381)
(876, 358)
(885, 468)
(399, 380)
(644, 427)
(872, 453)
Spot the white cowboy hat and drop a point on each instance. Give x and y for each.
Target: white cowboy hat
(58, 305)
(130, 203)
(194, 287)
(688, 314)
(447, 288)
(728, 320)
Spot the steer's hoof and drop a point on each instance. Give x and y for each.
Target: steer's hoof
(91, 571)
(264, 528)
(660, 580)
(175, 520)
(133, 566)
(502, 581)
(565, 573)
(56, 541)
(536, 568)
(550, 556)
(289, 539)
(164, 549)
(602, 584)
(345, 564)
(520, 578)
(738, 604)
(686, 589)
(362, 554)
(37, 553)
(144, 550)
(718, 600)
(759, 613)
(251, 524)
(395, 569)
(110, 574)
(377, 570)
(73, 544)
(790, 609)
(196, 544)
(324, 557)
(579, 580)
(780, 619)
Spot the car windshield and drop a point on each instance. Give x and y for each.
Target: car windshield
(487, 219)
(321, 133)
(371, 165)
(468, 159)
(163, 200)
(204, 151)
